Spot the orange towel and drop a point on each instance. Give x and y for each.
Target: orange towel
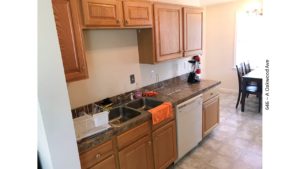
(161, 112)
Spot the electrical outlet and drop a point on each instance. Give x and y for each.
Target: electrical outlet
(132, 79)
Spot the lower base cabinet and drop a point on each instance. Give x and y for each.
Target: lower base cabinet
(108, 163)
(137, 155)
(164, 145)
(135, 149)
(99, 157)
(210, 114)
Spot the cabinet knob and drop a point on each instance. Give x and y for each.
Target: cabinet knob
(149, 143)
(118, 20)
(126, 21)
(98, 155)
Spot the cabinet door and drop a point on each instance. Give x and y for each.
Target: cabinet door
(137, 155)
(168, 31)
(210, 114)
(108, 163)
(193, 21)
(164, 145)
(70, 39)
(137, 13)
(103, 13)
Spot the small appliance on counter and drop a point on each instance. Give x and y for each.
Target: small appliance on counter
(194, 76)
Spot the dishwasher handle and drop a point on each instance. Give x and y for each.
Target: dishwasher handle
(190, 101)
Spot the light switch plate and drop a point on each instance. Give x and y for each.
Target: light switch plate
(132, 79)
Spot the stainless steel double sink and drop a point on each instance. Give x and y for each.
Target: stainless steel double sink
(122, 114)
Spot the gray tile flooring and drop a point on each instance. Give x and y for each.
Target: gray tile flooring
(235, 144)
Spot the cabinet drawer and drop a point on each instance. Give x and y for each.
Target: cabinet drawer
(210, 93)
(108, 163)
(96, 155)
(132, 135)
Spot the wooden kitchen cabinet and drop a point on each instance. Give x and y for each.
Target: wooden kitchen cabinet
(107, 13)
(172, 37)
(116, 13)
(210, 114)
(164, 145)
(99, 157)
(168, 31)
(108, 163)
(193, 27)
(70, 39)
(137, 155)
(164, 41)
(137, 13)
(135, 148)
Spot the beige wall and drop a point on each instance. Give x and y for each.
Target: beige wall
(220, 33)
(112, 55)
(220, 42)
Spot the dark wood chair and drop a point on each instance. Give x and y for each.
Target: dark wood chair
(250, 89)
(247, 67)
(242, 69)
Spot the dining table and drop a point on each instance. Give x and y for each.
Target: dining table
(255, 76)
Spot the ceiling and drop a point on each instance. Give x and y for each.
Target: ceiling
(211, 2)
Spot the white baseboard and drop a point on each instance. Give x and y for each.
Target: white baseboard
(232, 91)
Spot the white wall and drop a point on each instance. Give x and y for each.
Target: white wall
(57, 141)
(220, 36)
(43, 147)
(220, 42)
(112, 55)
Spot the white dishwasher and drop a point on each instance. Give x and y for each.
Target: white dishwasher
(189, 125)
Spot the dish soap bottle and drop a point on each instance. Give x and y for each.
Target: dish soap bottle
(138, 92)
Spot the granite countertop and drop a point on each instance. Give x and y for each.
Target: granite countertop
(175, 90)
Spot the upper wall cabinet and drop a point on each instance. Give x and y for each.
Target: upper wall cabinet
(70, 39)
(193, 21)
(109, 13)
(102, 13)
(164, 41)
(168, 31)
(137, 13)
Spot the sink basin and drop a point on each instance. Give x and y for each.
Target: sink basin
(144, 104)
(120, 115)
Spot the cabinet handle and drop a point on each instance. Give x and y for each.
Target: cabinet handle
(118, 21)
(98, 155)
(126, 21)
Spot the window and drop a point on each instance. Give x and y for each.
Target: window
(249, 39)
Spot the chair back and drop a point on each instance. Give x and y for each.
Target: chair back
(239, 71)
(242, 69)
(247, 67)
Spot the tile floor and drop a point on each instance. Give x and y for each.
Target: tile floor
(235, 144)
